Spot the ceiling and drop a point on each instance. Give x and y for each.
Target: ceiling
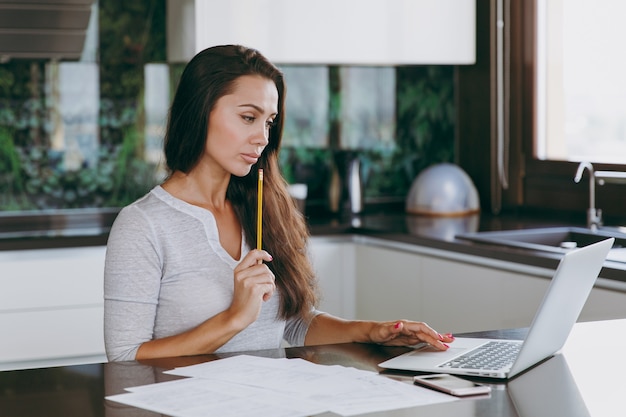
(46, 29)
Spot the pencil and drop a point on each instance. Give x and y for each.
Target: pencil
(259, 212)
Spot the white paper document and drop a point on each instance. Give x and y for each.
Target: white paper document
(207, 397)
(252, 386)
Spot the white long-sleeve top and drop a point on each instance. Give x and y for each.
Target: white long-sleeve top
(166, 272)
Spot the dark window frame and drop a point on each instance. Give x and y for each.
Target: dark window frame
(534, 185)
(550, 184)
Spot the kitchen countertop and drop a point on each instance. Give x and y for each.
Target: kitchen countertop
(73, 228)
(440, 233)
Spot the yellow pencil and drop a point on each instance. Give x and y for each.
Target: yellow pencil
(259, 212)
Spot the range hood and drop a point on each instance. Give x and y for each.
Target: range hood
(43, 29)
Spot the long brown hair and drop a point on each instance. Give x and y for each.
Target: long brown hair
(207, 77)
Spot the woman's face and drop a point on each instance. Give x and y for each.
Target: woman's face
(239, 125)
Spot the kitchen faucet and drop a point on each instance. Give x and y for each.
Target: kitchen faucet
(594, 215)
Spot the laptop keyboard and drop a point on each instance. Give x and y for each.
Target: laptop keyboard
(493, 355)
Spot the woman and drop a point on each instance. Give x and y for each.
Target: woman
(180, 276)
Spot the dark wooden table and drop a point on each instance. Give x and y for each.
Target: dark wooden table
(549, 389)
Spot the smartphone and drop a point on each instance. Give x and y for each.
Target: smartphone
(451, 384)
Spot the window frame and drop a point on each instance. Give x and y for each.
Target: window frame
(548, 184)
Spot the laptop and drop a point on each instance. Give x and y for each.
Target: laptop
(566, 295)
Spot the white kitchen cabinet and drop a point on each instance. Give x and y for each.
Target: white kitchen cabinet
(51, 307)
(459, 293)
(333, 261)
(604, 304)
(388, 284)
(461, 297)
(339, 32)
(51, 300)
(449, 295)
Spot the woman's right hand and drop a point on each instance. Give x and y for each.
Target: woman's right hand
(254, 284)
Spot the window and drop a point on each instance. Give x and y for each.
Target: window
(568, 105)
(581, 87)
(564, 102)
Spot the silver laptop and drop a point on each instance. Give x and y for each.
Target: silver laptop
(557, 314)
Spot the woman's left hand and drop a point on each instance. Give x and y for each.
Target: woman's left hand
(406, 333)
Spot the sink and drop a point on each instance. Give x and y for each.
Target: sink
(552, 239)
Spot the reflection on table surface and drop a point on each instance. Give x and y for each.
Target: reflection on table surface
(585, 379)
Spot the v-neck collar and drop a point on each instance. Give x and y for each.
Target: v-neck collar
(208, 221)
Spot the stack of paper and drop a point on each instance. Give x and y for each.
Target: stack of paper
(252, 386)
